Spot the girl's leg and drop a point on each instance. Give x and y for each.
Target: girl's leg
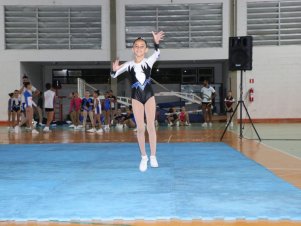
(85, 113)
(18, 118)
(97, 120)
(150, 111)
(13, 122)
(72, 117)
(204, 110)
(40, 113)
(108, 113)
(9, 118)
(210, 113)
(29, 115)
(49, 117)
(23, 118)
(138, 110)
(187, 118)
(92, 119)
(76, 118)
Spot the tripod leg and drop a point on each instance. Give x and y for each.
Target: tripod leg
(251, 121)
(225, 130)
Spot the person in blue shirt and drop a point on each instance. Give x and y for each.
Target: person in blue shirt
(87, 107)
(107, 111)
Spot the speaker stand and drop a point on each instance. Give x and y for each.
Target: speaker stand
(240, 104)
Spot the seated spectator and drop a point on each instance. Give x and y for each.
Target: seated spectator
(129, 120)
(119, 117)
(184, 117)
(172, 117)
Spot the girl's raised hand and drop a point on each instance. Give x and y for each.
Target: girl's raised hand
(115, 65)
(158, 36)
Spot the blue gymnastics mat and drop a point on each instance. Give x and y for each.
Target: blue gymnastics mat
(102, 182)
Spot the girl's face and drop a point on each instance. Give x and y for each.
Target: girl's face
(95, 95)
(16, 94)
(87, 94)
(139, 48)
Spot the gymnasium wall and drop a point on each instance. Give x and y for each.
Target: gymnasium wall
(277, 78)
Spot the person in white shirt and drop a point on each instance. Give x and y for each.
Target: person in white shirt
(49, 96)
(207, 94)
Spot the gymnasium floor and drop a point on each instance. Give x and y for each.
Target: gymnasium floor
(280, 152)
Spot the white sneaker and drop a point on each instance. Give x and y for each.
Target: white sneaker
(72, 126)
(46, 129)
(107, 128)
(169, 124)
(153, 161)
(34, 124)
(210, 124)
(34, 131)
(204, 124)
(93, 130)
(135, 130)
(99, 131)
(80, 126)
(27, 128)
(17, 129)
(177, 123)
(143, 163)
(75, 128)
(187, 124)
(119, 126)
(231, 124)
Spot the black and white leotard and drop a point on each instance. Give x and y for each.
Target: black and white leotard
(140, 76)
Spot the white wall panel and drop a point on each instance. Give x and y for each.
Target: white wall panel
(277, 76)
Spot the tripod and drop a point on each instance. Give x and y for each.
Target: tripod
(240, 104)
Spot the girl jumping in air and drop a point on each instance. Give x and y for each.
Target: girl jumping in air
(143, 100)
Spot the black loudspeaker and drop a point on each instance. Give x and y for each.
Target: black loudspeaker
(240, 53)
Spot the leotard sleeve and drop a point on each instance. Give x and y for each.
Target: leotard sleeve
(153, 58)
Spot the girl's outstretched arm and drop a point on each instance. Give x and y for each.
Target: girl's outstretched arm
(118, 69)
(158, 36)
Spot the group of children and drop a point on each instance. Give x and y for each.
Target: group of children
(21, 104)
(20, 110)
(94, 108)
(175, 118)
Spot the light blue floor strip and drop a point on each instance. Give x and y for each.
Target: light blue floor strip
(102, 182)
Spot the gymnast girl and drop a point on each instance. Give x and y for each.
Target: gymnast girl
(229, 100)
(87, 106)
(97, 110)
(143, 100)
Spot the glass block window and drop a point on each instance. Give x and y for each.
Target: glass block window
(186, 25)
(274, 23)
(52, 27)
